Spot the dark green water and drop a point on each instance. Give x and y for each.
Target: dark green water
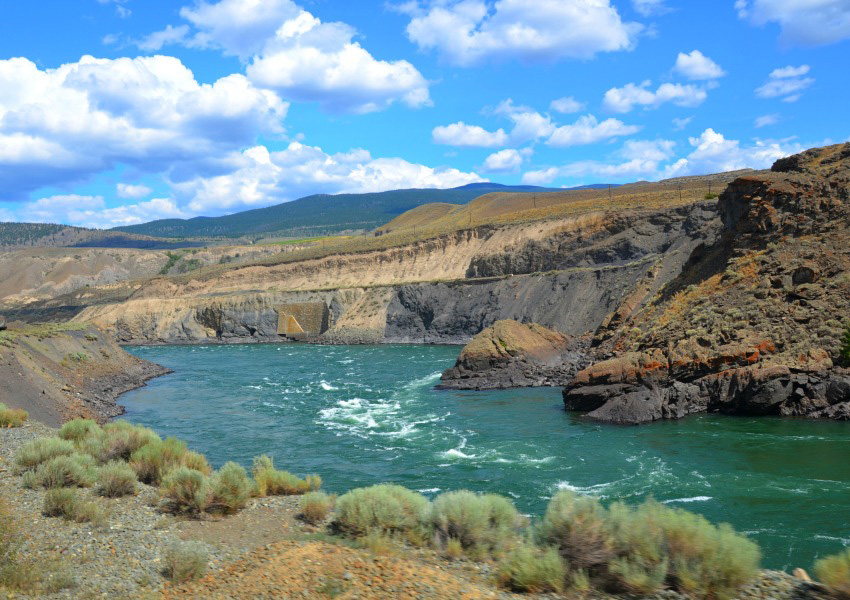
(360, 415)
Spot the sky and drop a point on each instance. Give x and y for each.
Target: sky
(115, 112)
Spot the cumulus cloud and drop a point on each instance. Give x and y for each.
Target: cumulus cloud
(786, 83)
(529, 125)
(264, 177)
(802, 22)
(58, 126)
(635, 158)
(122, 11)
(588, 130)
(128, 190)
(504, 161)
(626, 98)
(292, 52)
(697, 66)
(766, 120)
(469, 32)
(461, 134)
(713, 153)
(566, 105)
(155, 41)
(91, 211)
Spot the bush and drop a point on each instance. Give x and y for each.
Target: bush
(77, 430)
(116, 479)
(74, 470)
(10, 538)
(481, 523)
(196, 461)
(385, 507)
(154, 460)
(530, 569)
(41, 450)
(186, 490)
(315, 507)
(64, 502)
(271, 482)
(12, 417)
(231, 489)
(578, 527)
(185, 561)
(834, 572)
(123, 439)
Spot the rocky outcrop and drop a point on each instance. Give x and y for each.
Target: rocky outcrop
(57, 372)
(753, 324)
(510, 354)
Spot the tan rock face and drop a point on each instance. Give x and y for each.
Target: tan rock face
(506, 340)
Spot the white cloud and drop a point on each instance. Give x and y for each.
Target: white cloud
(529, 125)
(803, 22)
(566, 105)
(697, 66)
(128, 190)
(264, 177)
(680, 124)
(635, 158)
(766, 120)
(468, 32)
(624, 99)
(713, 153)
(503, 161)
(58, 126)
(785, 72)
(292, 52)
(155, 41)
(786, 82)
(588, 130)
(649, 8)
(91, 211)
(461, 134)
(122, 11)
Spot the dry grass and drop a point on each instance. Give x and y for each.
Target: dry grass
(12, 417)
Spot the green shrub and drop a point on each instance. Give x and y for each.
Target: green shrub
(116, 479)
(660, 546)
(834, 572)
(186, 490)
(271, 482)
(12, 417)
(196, 461)
(185, 561)
(74, 470)
(316, 506)
(41, 450)
(153, 461)
(123, 438)
(480, 522)
(77, 430)
(531, 569)
(65, 503)
(385, 507)
(231, 489)
(578, 526)
(10, 537)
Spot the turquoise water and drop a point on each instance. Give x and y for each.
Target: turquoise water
(360, 415)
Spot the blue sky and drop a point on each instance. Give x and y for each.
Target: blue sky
(121, 111)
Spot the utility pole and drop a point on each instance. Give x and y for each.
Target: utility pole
(609, 191)
(534, 200)
(680, 192)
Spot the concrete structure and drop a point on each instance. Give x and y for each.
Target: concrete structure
(302, 320)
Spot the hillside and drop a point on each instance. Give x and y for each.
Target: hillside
(319, 214)
(755, 323)
(15, 236)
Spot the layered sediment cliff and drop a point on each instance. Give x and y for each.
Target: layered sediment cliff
(567, 274)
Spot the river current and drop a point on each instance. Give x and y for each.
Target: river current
(359, 415)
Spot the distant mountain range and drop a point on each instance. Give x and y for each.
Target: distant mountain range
(321, 214)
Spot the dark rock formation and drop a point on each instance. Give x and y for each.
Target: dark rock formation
(753, 322)
(510, 354)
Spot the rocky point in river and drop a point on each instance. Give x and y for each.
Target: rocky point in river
(754, 322)
(510, 354)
